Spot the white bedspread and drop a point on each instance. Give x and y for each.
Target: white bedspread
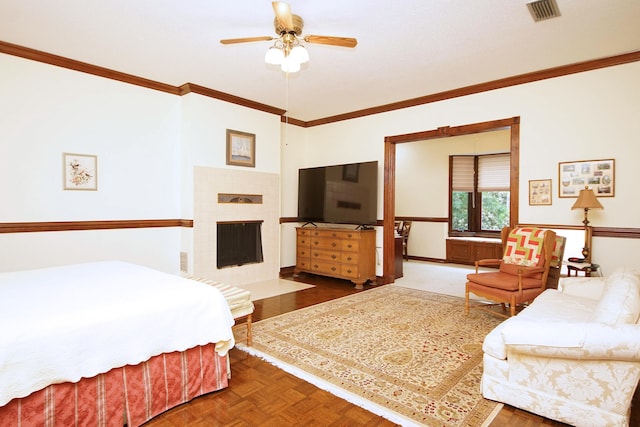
(63, 323)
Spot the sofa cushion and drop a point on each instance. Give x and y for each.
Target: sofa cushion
(620, 302)
(550, 307)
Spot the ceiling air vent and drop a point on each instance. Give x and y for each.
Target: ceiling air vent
(543, 9)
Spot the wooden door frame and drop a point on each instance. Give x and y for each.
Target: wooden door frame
(389, 208)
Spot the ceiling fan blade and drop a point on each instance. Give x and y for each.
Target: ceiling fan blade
(246, 40)
(334, 41)
(283, 14)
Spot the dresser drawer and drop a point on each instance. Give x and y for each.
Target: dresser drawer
(349, 257)
(303, 241)
(349, 270)
(350, 245)
(330, 243)
(303, 232)
(324, 255)
(303, 252)
(325, 267)
(303, 264)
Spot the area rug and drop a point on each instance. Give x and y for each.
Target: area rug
(410, 356)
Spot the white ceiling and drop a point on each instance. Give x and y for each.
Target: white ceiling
(406, 48)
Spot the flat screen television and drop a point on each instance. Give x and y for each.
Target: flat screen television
(340, 194)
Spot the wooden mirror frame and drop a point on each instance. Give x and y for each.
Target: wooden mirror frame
(389, 208)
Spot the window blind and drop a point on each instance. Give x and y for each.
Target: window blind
(494, 172)
(462, 176)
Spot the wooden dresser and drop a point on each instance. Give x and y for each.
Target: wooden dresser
(337, 252)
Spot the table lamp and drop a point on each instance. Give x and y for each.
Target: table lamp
(586, 200)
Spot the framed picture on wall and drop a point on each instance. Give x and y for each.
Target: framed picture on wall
(241, 148)
(539, 192)
(596, 174)
(79, 171)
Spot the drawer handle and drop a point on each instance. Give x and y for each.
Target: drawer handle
(349, 271)
(349, 246)
(333, 269)
(316, 243)
(333, 257)
(315, 266)
(349, 258)
(315, 254)
(333, 244)
(303, 253)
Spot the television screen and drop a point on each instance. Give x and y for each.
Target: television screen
(341, 194)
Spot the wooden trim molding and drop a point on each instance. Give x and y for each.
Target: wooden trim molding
(83, 67)
(211, 93)
(512, 123)
(30, 227)
(486, 87)
(422, 218)
(60, 61)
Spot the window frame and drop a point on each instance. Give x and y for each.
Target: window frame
(474, 214)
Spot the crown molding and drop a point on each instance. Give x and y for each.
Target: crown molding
(60, 61)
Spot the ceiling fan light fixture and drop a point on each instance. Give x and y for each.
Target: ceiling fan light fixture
(289, 65)
(299, 54)
(274, 56)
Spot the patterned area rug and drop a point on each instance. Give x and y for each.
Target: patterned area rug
(410, 356)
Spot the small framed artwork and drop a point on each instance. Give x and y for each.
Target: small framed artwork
(596, 174)
(539, 192)
(241, 148)
(79, 171)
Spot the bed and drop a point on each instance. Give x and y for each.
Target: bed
(107, 343)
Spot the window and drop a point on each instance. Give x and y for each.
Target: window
(479, 198)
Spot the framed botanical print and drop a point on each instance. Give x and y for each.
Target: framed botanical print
(79, 171)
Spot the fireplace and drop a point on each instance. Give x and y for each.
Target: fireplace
(238, 243)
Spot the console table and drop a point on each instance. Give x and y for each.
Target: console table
(470, 250)
(337, 252)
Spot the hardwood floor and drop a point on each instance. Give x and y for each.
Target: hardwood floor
(260, 394)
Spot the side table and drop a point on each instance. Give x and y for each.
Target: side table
(583, 267)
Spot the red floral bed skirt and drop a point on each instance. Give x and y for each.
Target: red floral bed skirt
(130, 394)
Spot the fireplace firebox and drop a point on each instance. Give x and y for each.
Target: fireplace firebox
(239, 243)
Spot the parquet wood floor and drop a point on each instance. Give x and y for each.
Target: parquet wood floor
(260, 394)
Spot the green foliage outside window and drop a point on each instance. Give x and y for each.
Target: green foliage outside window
(460, 211)
(495, 210)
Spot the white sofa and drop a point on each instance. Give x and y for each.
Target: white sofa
(573, 355)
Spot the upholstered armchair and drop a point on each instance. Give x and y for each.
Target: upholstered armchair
(522, 271)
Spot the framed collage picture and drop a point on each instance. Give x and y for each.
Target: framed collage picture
(596, 174)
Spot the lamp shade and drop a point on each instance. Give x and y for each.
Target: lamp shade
(587, 200)
(289, 65)
(299, 54)
(274, 56)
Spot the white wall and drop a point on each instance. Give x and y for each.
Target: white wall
(583, 116)
(45, 111)
(147, 143)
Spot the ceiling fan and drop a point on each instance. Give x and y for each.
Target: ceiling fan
(287, 50)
